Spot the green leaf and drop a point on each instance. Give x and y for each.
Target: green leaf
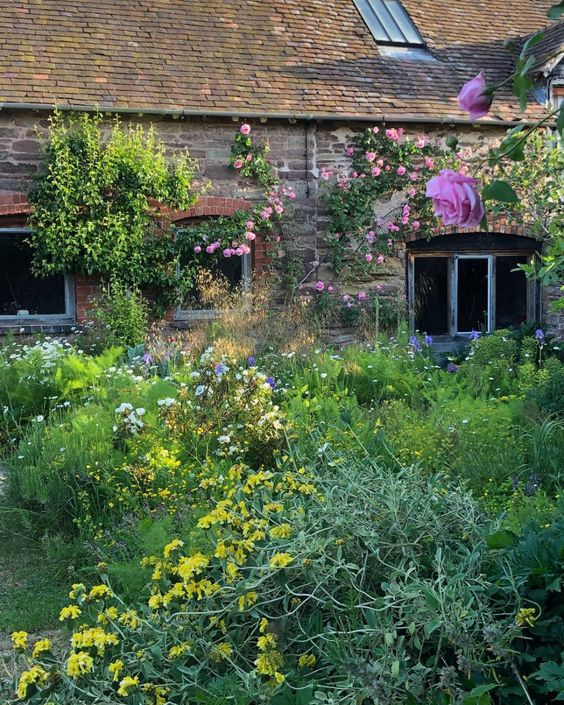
(501, 539)
(556, 11)
(395, 669)
(452, 143)
(521, 85)
(531, 42)
(499, 191)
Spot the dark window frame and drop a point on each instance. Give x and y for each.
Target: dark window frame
(66, 316)
(454, 257)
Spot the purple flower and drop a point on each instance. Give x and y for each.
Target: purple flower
(428, 340)
(147, 358)
(514, 482)
(474, 335)
(539, 335)
(272, 382)
(219, 369)
(532, 486)
(415, 344)
(251, 361)
(452, 368)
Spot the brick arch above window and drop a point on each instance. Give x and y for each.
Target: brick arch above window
(497, 224)
(14, 209)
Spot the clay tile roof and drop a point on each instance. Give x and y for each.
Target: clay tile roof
(550, 50)
(258, 57)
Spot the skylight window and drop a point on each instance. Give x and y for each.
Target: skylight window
(389, 22)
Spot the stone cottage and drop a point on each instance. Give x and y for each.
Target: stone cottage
(306, 76)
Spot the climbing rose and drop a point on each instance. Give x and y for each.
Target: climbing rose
(238, 164)
(245, 128)
(320, 286)
(455, 199)
(472, 98)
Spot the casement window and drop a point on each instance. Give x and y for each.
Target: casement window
(25, 298)
(476, 286)
(235, 270)
(389, 23)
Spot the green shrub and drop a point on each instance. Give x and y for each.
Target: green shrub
(123, 311)
(361, 585)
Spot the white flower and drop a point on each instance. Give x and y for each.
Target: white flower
(169, 401)
(140, 411)
(122, 408)
(224, 439)
(39, 418)
(200, 389)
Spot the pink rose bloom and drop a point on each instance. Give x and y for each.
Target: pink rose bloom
(238, 163)
(455, 199)
(371, 236)
(414, 176)
(330, 289)
(380, 259)
(245, 129)
(429, 162)
(472, 98)
(319, 286)
(375, 130)
(227, 252)
(421, 142)
(248, 157)
(239, 251)
(380, 162)
(355, 174)
(210, 249)
(346, 298)
(368, 257)
(379, 287)
(249, 235)
(401, 170)
(349, 151)
(370, 156)
(411, 191)
(266, 213)
(361, 296)
(392, 134)
(279, 209)
(388, 167)
(249, 225)
(376, 171)
(197, 249)
(246, 249)
(416, 225)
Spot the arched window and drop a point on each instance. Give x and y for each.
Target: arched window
(463, 282)
(235, 271)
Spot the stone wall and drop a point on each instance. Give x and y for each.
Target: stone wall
(298, 150)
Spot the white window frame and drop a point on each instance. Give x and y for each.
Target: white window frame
(203, 314)
(69, 314)
(452, 287)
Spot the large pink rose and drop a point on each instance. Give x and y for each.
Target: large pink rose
(472, 98)
(455, 199)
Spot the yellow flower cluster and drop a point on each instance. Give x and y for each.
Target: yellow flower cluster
(126, 684)
(19, 640)
(36, 675)
(526, 617)
(79, 664)
(269, 661)
(94, 637)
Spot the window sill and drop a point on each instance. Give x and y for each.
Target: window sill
(13, 326)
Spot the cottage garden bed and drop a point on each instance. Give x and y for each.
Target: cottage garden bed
(294, 527)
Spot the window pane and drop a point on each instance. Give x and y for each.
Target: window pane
(404, 21)
(472, 298)
(389, 22)
(19, 289)
(510, 292)
(226, 272)
(431, 295)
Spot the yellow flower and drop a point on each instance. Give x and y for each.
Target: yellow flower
(126, 684)
(76, 590)
(79, 664)
(178, 650)
(188, 566)
(283, 531)
(41, 647)
(526, 617)
(115, 668)
(172, 546)
(221, 652)
(279, 677)
(247, 600)
(96, 637)
(19, 640)
(36, 675)
(155, 601)
(263, 626)
(280, 560)
(306, 660)
(129, 619)
(99, 591)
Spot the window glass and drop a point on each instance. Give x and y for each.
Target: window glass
(510, 292)
(472, 298)
(389, 22)
(431, 295)
(21, 293)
